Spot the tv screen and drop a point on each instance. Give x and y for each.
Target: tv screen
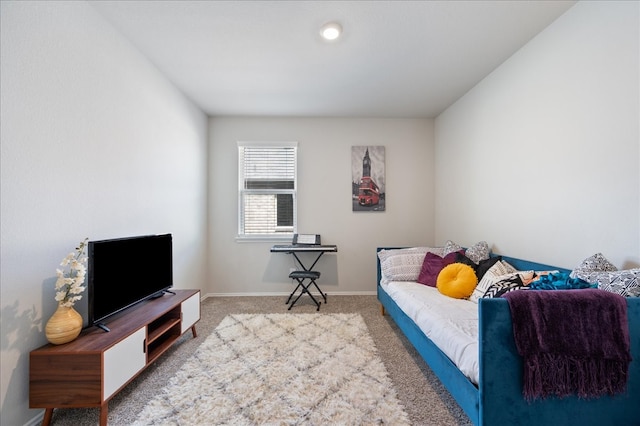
(125, 271)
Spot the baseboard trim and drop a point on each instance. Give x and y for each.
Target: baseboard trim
(37, 420)
(286, 294)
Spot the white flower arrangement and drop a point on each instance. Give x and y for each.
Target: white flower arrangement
(69, 285)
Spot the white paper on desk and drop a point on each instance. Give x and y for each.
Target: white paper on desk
(307, 239)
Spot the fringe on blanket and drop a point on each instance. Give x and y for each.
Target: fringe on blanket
(549, 375)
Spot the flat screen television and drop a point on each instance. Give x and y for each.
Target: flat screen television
(125, 271)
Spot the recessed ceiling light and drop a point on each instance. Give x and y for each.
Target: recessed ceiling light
(331, 31)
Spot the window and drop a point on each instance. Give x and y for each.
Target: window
(267, 189)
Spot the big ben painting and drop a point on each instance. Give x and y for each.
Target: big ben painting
(367, 178)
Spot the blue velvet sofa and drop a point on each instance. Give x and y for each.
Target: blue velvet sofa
(497, 400)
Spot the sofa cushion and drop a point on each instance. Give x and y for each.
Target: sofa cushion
(598, 270)
(478, 252)
(384, 254)
(485, 265)
(625, 282)
(510, 282)
(457, 280)
(403, 264)
(589, 269)
(432, 266)
(462, 258)
(491, 276)
(450, 247)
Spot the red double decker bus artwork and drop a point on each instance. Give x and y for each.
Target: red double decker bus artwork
(368, 186)
(368, 193)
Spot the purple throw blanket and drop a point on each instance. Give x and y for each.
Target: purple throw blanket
(573, 342)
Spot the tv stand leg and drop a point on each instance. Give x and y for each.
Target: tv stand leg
(193, 331)
(48, 413)
(104, 413)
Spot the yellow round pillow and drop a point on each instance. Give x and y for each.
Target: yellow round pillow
(457, 280)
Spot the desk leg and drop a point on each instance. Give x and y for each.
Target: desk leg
(304, 268)
(299, 261)
(193, 331)
(293, 292)
(316, 261)
(305, 289)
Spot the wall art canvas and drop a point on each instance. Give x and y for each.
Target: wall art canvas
(367, 179)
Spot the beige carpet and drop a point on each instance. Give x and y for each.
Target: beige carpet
(420, 393)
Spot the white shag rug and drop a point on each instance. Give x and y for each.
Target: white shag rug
(280, 369)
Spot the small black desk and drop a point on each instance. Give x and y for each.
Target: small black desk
(294, 249)
(304, 248)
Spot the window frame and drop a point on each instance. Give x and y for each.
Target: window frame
(284, 236)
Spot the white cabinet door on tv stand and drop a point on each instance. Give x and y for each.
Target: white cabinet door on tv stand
(190, 313)
(123, 361)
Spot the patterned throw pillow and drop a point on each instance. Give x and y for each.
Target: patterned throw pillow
(478, 252)
(485, 265)
(384, 254)
(625, 283)
(491, 277)
(403, 264)
(450, 247)
(591, 267)
(507, 283)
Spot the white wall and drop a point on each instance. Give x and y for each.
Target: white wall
(324, 200)
(541, 158)
(95, 143)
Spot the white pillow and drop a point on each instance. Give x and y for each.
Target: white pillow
(591, 267)
(625, 283)
(404, 264)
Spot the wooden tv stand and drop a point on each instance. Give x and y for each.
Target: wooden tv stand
(89, 371)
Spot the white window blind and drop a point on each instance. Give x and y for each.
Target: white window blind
(267, 189)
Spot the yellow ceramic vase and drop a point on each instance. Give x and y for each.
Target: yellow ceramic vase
(64, 325)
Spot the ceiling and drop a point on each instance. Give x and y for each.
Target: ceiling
(266, 58)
